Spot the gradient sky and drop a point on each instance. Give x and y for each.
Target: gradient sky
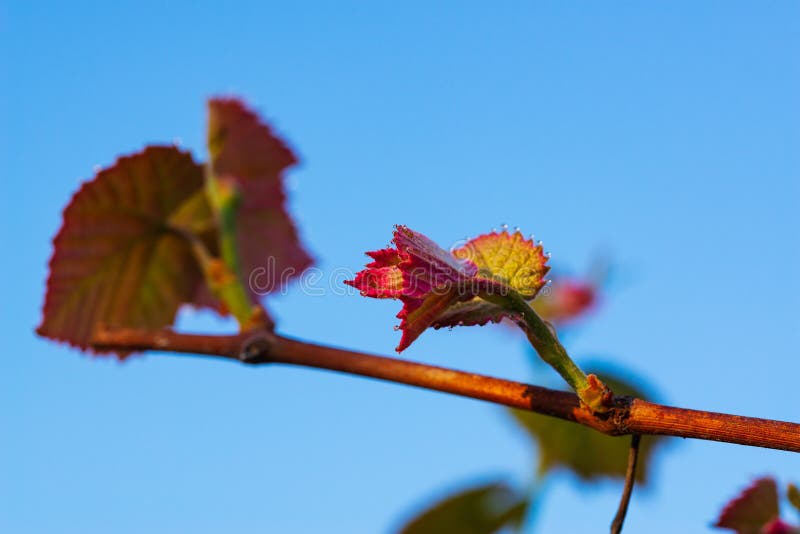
(665, 134)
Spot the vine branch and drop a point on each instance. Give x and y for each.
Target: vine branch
(626, 416)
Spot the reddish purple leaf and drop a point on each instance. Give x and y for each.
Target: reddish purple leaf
(119, 258)
(753, 509)
(439, 288)
(566, 300)
(424, 276)
(778, 526)
(245, 150)
(123, 255)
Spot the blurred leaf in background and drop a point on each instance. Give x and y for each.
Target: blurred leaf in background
(584, 451)
(482, 509)
(119, 257)
(756, 510)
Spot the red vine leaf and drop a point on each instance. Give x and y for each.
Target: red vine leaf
(244, 150)
(439, 288)
(382, 278)
(779, 526)
(473, 312)
(119, 258)
(753, 510)
(427, 278)
(566, 300)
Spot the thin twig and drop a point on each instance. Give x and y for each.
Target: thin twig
(627, 490)
(626, 416)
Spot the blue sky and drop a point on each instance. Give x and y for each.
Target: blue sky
(662, 133)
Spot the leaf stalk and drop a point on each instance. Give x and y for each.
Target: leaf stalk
(225, 277)
(590, 389)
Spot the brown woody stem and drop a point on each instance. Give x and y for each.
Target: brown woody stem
(627, 416)
(627, 490)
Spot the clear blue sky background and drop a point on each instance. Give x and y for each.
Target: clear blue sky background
(666, 133)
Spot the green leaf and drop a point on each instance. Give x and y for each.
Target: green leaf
(483, 509)
(582, 450)
(119, 257)
(794, 496)
(752, 509)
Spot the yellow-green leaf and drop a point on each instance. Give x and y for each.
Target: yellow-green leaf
(508, 258)
(794, 496)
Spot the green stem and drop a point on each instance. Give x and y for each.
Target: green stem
(548, 346)
(224, 199)
(589, 388)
